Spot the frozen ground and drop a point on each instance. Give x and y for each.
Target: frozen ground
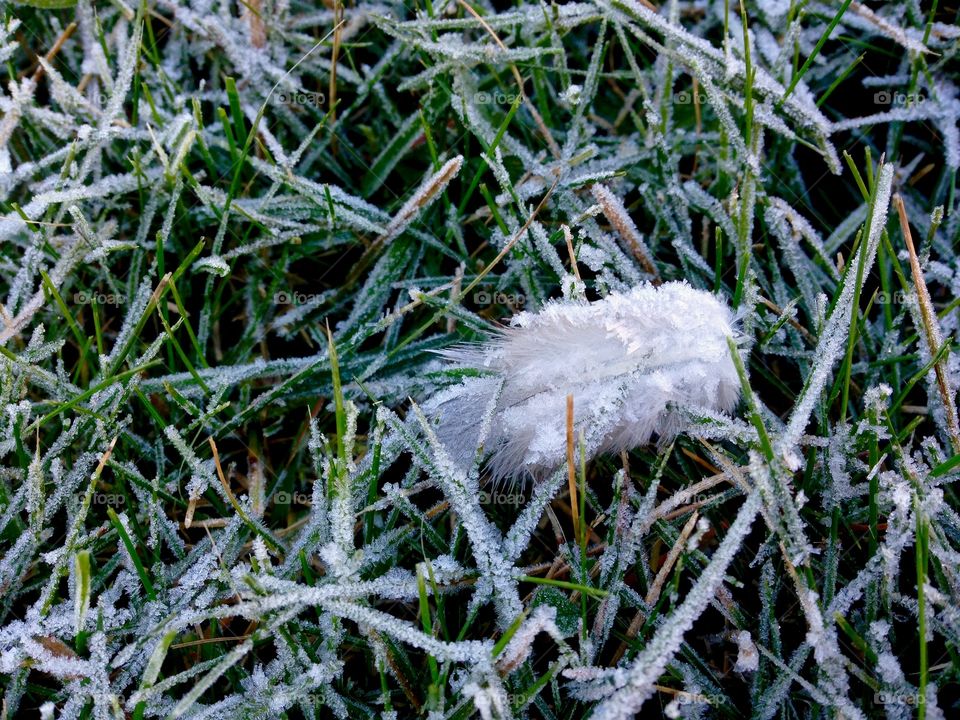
(241, 242)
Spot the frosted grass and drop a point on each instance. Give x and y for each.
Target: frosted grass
(367, 252)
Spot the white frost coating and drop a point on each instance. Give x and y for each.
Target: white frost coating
(425, 194)
(834, 334)
(8, 43)
(471, 651)
(943, 109)
(571, 96)
(201, 471)
(710, 63)
(213, 264)
(124, 76)
(634, 685)
(462, 492)
(630, 361)
(617, 214)
(521, 644)
(748, 659)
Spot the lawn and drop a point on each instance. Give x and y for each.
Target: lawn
(469, 358)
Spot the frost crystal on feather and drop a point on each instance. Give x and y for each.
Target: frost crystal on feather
(631, 361)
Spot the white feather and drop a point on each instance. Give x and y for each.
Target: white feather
(630, 360)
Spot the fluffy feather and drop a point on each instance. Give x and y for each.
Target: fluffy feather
(630, 360)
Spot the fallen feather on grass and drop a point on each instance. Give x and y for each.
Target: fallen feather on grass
(630, 361)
